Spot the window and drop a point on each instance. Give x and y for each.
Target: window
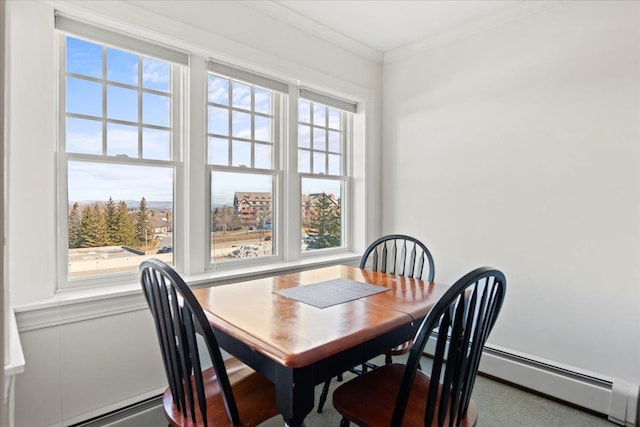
(321, 148)
(119, 154)
(242, 145)
(129, 189)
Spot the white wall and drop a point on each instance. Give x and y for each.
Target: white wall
(518, 147)
(87, 355)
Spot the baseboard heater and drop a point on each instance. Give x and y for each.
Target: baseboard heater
(615, 398)
(122, 416)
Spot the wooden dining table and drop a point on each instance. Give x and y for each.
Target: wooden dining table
(297, 345)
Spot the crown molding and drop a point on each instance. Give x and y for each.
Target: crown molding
(288, 16)
(515, 12)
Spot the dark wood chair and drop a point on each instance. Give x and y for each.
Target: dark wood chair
(402, 255)
(227, 394)
(402, 395)
(395, 254)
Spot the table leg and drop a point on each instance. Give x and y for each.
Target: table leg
(294, 394)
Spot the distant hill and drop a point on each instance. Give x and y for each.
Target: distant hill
(131, 204)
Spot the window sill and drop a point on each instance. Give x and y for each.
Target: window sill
(82, 304)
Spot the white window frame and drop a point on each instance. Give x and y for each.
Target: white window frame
(192, 252)
(69, 27)
(277, 171)
(286, 201)
(346, 126)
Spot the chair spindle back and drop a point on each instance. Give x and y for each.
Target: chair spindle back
(178, 316)
(462, 320)
(399, 254)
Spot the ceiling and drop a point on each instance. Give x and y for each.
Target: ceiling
(382, 29)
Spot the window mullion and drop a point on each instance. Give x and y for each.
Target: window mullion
(140, 106)
(104, 100)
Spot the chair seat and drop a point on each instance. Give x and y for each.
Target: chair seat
(368, 400)
(246, 384)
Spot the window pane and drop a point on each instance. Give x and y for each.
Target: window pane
(241, 216)
(84, 58)
(263, 129)
(119, 213)
(319, 139)
(319, 162)
(218, 151)
(304, 161)
(84, 97)
(155, 109)
(122, 104)
(263, 156)
(241, 154)
(334, 141)
(218, 90)
(320, 214)
(334, 118)
(325, 156)
(319, 115)
(122, 67)
(155, 74)
(241, 95)
(263, 100)
(156, 144)
(304, 136)
(118, 216)
(84, 136)
(218, 121)
(334, 164)
(241, 125)
(304, 111)
(122, 140)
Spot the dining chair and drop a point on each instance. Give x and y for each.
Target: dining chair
(229, 393)
(402, 395)
(395, 254)
(404, 256)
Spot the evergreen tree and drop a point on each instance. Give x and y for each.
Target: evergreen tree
(143, 230)
(325, 230)
(75, 238)
(111, 223)
(92, 227)
(126, 233)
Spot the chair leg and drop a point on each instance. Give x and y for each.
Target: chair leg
(344, 422)
(323, 395)
(387, 359)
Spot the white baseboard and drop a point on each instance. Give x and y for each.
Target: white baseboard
(615, 398)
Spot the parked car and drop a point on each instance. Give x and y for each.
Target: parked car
(165, 250)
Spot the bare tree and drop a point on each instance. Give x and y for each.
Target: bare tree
(223, 218)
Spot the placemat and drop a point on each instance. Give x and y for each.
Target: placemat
(331, 292)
